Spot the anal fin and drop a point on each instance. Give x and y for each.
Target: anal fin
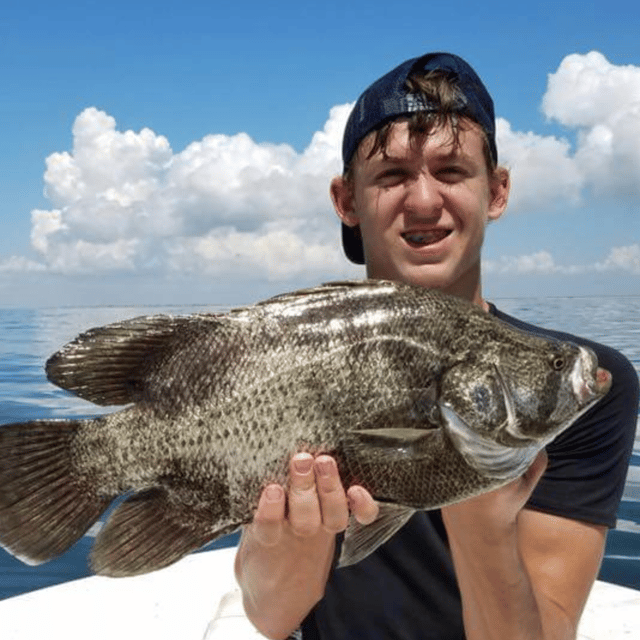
(148, 532)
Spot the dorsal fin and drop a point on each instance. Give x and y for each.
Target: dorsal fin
(107, 365)
(330, 289)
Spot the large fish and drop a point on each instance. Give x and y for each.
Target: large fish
(422, 398)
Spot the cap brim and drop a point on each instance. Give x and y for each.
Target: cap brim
(352, 244)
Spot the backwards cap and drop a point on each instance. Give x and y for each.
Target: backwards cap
(389, 98)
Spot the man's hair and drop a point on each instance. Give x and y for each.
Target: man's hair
(436, 88)
(431, 92)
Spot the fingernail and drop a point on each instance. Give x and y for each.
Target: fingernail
(354, 494)
(303, 465)
(273, 493)
(325, 467)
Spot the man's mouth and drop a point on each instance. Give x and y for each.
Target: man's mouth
(425, 238)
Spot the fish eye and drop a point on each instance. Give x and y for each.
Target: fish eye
(557, 361)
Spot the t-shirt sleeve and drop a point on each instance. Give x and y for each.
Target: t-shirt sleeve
(588, 463)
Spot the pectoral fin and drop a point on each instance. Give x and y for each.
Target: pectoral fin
(361, 540)
(401, 441)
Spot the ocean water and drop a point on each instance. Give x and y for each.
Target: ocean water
(29, 336)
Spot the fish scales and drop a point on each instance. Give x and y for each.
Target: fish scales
(424, 399)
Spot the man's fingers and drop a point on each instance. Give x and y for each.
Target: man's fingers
(316, 501)
(269, 518)
(331, 495)
(364, 508)
(304, 507)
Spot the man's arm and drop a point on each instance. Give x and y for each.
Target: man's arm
(523, 574)
(563, 557)
(285, 555)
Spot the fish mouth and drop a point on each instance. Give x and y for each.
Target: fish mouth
(588, 381)
(425, 238)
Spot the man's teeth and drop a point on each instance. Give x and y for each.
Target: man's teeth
(426, 237)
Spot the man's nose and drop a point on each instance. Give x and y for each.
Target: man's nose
(424, 196)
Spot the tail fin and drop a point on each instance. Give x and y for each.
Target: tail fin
(44, 505)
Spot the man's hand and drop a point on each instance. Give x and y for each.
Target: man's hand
(285, 554)
(498, 597)
(316, 503)
(494, 514)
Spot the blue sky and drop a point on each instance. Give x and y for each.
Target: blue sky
(188, 147)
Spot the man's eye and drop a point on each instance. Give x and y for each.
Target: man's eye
(392, 176)
(451, 173)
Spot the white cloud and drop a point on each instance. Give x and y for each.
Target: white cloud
(45, 223)
(539, 262)
(280, 254)
(602, 102)
(20, 264)
(622, 258)
(588, 90)
(625, 259)
(82, 257)
(125, 202)
(543, 173)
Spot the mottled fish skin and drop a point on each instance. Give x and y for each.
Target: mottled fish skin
(422, 398)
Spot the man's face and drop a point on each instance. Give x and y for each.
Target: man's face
(423, 208)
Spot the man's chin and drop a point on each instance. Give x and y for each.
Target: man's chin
(432, 276)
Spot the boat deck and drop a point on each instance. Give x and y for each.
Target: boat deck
(198, 599)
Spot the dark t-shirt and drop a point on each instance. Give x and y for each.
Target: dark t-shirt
(407, 589)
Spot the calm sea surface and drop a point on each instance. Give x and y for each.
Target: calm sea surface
(29, 336)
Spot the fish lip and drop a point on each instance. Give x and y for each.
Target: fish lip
(589, 381)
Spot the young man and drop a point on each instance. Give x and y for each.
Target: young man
(421, 183)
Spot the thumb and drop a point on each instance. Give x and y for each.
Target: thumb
(269, 517)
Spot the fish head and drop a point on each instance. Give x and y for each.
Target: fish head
(524, 395)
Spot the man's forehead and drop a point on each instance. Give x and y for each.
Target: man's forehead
(441, 141)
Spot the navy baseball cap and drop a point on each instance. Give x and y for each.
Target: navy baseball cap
(389, 98)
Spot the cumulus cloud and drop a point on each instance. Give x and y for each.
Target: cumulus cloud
(281, 253)
(539, 262)
(543, 172)
(20, 264)
(124, 201)
(622, 259)
(602, 102)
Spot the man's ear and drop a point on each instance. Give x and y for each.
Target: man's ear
(500, 185)
(344, 201)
